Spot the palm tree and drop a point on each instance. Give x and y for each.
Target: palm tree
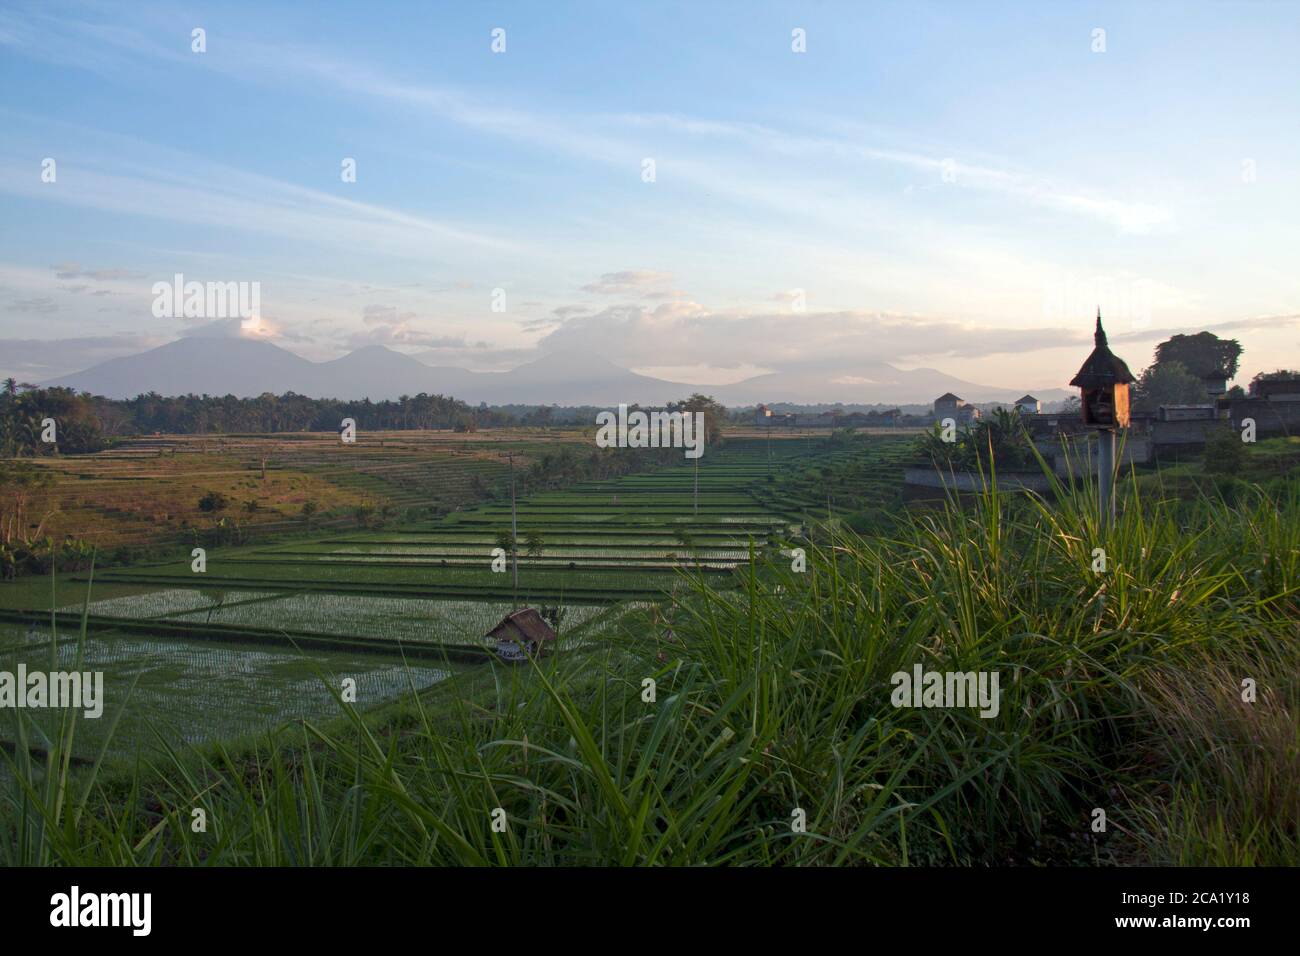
(10, 386)
(536, 544)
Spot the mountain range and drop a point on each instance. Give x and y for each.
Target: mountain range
(248, 367)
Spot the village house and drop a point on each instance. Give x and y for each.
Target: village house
(949, 405)
(764, 417)
(1216, 384)
(1273, 405)
(1186, 413)
(946, 405)
(521, 634)
(1277, 389)
(1028, 405)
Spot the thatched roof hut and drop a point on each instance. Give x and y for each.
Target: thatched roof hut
(521, 634)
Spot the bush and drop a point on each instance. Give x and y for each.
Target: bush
(213, 502)
(1225, 452)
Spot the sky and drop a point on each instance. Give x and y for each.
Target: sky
(952, 185)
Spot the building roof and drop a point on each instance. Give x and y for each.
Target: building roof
(1103, 367)
(1275, 387)
(1026, 399)
(525, 624)
(947, 397)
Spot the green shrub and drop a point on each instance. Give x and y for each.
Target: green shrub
(1225, 453)
(212, 502)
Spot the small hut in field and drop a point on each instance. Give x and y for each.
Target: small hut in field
(521, 634)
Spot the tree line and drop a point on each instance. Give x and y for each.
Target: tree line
(87, 423)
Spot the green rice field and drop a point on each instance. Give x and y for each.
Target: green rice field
(265, 631)
(196, 691)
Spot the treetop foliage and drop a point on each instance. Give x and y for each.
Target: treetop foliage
(1204, 354)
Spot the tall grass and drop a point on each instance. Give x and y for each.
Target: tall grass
(48, 793)
(1121, 691)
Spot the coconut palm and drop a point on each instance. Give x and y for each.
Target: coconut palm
(535, 543)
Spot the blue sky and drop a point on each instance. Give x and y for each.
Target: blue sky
(952, 185)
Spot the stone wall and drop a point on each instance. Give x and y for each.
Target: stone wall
(922, 477)
(1272, 417)
(1078, 452)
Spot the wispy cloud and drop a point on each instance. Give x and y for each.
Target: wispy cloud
(677, 334)
(939, 168)
(72, 270)
(42, 305)
(631, 280)
(38, 360)
(230, 199)
(386, 325)
(622, 138)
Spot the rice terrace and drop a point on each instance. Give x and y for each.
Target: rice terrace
(647, 439)
(344, 598)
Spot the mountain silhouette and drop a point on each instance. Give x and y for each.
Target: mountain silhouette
(247, 367)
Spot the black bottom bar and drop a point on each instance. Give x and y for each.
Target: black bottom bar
(337, 906)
